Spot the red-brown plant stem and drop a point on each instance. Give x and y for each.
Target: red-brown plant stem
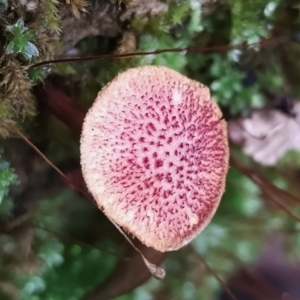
(60, 105)
(49, 162)
(267, 188)
(44, 157)
(261, 180)
(223, 48)
(212, 271)
(280, 204)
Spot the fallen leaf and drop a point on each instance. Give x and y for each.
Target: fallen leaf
(267, 134)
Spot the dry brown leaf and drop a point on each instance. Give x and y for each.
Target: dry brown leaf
(267, 134)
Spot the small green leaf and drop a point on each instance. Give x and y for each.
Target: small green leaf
(20, 41)
(10, 48)
(18, 28)
(20, 25)
(30, 51)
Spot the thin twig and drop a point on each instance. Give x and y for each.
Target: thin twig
(267, 188)
(218, 278)
(281, 205)
(49, 162)
(279, 190)
(36, 149)
(266, 42)
(156, 271)
(262, 181)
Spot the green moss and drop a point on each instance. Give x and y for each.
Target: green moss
(51, 15)
(24, 43)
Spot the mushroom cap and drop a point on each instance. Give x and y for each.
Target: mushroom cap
(154, 155)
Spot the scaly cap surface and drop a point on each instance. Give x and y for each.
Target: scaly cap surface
(154, 155)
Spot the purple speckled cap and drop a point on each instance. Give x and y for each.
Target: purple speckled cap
(154, 154)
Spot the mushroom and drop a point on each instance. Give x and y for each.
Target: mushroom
(154, 155)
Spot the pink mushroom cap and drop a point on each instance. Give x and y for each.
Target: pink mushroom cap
(154, 155)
